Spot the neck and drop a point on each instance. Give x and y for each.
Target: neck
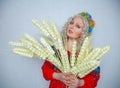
(69, 43)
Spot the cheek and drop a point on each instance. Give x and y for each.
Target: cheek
(78, 33)
(67, 27)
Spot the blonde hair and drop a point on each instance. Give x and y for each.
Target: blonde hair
(82, 36)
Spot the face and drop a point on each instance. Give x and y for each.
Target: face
(74, 28)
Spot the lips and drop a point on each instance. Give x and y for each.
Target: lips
(70, 31)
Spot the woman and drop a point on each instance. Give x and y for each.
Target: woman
(76, 29)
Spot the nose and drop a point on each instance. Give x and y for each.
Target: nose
(72, 26)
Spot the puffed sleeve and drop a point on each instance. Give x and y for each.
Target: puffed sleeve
(90, 80)
(47, 70)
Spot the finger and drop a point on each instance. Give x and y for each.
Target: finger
(74, 78)
(73, 81)
(72, 86)
(70, 73)
(66, 83)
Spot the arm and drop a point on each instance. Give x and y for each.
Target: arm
(49, 73)
(47, 70)
(89, 81)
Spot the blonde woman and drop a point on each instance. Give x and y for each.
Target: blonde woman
(77, 29)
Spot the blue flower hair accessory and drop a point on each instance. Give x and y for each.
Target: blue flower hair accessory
(91, 22)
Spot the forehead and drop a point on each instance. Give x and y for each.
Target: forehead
(78, 20)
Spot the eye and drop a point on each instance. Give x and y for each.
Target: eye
(71, 22)
(78, 26)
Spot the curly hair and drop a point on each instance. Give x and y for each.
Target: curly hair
(87, 29)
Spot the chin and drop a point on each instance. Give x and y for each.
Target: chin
(69, 35)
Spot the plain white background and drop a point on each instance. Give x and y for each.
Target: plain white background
(15, 20)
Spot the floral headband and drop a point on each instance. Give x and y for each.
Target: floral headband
(91, 22)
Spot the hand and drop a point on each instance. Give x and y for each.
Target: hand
(63, 77)
(74, 82)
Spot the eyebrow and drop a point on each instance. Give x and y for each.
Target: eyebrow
(77, 23)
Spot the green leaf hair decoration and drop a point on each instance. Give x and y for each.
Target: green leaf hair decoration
(91, 22)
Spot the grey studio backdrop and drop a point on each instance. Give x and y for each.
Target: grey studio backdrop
(15, 20)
